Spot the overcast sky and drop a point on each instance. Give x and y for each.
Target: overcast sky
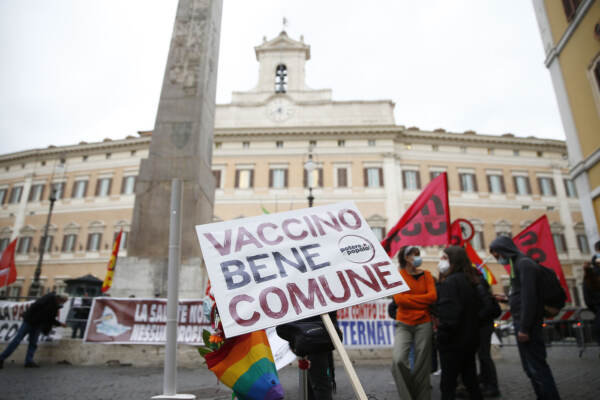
(85, 70)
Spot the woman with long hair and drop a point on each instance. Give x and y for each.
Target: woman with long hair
(458, 306)
(413, 327)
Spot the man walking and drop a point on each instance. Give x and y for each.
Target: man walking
(40, 317)
(527, 309)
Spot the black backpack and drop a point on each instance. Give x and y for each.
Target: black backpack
(307, 336)
(553, 295)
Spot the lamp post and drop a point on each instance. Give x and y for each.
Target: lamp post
(310, 166)
(34, 289)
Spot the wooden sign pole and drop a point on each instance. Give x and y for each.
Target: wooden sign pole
(339, 346)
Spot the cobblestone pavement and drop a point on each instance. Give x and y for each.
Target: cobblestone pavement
(577, 378)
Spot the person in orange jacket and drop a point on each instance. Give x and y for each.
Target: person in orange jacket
(413, 327)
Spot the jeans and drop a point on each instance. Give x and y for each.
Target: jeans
(487, 369)
(533, 359)
(415, 383)
(455, 363)
(25, 329)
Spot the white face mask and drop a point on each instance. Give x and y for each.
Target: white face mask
(443, 266)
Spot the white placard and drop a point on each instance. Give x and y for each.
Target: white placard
(276, 268)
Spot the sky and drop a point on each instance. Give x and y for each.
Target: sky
(85, 70)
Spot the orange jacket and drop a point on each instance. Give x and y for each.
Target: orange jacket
(413, 305)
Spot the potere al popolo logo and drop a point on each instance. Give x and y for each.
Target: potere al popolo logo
(356, 249)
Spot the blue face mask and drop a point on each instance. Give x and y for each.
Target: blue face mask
(504, 260)
(417, 261)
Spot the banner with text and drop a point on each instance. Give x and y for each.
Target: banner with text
(11, 318)
(143, 321)
(276, 268)
(367, 325)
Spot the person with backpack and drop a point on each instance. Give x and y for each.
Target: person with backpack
(458, 308)
(527, 308)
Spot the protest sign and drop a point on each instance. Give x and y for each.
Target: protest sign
(143, 321)
(276, 268)
(11, 318)
(367, 325)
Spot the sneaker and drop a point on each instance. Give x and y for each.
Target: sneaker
(31, 365)
(437, 373)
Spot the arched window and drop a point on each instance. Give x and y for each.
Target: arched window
(280, 79)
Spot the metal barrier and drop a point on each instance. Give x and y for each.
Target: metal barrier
(571, 327)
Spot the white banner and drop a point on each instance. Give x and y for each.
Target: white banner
(11, 318)
(276, 268)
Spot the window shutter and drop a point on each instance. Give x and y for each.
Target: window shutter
(563, 242)
(380, 177)
(404, 180)
(64, 243)
(31, 190)
(74, 189)
(43, 189)
(320, 177)
(482, 240)
(418, 175)
(502, 187)
(342, 177)
(516, 188)
(552, 187)
(89, 241)
(528, 185)
(217, 175)
(566, 185)
(98, 181)
(475, 182)
(109, 186)
(365, 178)
(285, 178)
(270, 178)
(20, 194)
(251, 178)
(305, 179)
(489, 182)
(237, 178)
(460, 179)
(123, 184)
(541, 188)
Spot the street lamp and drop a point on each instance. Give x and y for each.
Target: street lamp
(310, 166)
(34, 289)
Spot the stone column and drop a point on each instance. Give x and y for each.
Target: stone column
(181, 148)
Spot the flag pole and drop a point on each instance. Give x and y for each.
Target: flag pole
(170, 368)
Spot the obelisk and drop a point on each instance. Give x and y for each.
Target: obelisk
(181, 147)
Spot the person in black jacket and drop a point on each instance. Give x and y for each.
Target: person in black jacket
(591, 289)
(457, 307)
(40, 317)
(527, 309)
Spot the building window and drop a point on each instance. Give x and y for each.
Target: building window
(48, 243)
(559, 242)
(15, 194)
(463, 149)
(341, 143)
(379, 233)
(24, 245)
(4, 243)
(582, 243)
(58, 189)
(3, 195)
(84, 158)
(36, 192)
(496, 184)
(434, 174)
(371, 142)
(103, 187)
(108, 155)
(278, 178)
(79, 189)
(217, 175)
(132, 152)
(123, 244)
(245, 145)
(281, 79)
(516, 153)
(435, 147)
(570, 188)
(490, 151)
(342, 177)
(570, 7)
(468, 182)
(279, 144)
(244, 178)
(477, 241)
(504, 233)
(312, 143)
(128, 185)
(94, 241)
(411, 180)
(316, 178)
(218, 145)
(522, 186)
(68, 244)
(373, 177)
(546, 186)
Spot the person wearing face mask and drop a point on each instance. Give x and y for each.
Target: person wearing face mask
(458, 308)
(413, 327)
(527, 309)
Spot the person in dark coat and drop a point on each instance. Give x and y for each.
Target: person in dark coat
(40, 317)
(527, 309)
(591, 289)
(457, 307)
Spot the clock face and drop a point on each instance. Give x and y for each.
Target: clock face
(279, 110)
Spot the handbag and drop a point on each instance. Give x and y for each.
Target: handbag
(307, 336)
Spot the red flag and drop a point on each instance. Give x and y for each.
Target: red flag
(456, 235)
(536, 242)
(8, 271)
(426, 222)
(110, 270)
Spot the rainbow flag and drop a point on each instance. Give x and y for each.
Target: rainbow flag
(245, 364)
(479, 264)
(112, 263)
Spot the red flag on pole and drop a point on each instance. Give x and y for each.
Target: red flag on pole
(8, 270)
(536, 242)
(110, 271)
(426, 222)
